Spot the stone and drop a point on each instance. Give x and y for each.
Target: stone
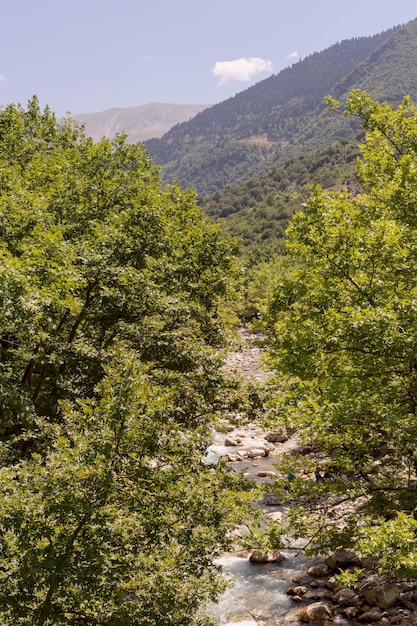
(350, 611)
(318, 570)
(258, 556)
(346, 597)
(298, 590)
(316, 612)
(278, 437)
(276, 516)
(266, 474)
(342, 559)
(319, 594)
(380, 593)
(371, 616)
(256, 452)
(232, 458)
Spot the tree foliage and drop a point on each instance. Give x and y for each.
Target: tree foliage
(110, 378)
(343, 339)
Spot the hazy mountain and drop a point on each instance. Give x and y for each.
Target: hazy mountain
(140, 122)
(285, 115)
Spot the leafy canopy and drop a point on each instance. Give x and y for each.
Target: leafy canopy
(111, 289)
(343, 340)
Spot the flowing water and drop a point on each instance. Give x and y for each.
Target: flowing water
(257, 595)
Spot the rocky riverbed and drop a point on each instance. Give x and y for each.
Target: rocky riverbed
(285, 588)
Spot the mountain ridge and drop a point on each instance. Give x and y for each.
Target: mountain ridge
(142, 122)
(285, 115)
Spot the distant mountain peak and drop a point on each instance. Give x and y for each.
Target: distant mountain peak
(141, 122)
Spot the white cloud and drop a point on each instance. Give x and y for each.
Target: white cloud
(2, 78)
(293, 55)
(240, 69)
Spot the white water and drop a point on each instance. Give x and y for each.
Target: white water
(258, 593)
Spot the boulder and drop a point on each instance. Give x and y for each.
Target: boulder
(318, 569)
(316, 612)
(343, 559)
(258, 556)
(371, 616)
(380, 593)
(278, 437)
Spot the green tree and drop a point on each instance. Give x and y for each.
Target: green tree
(111, 288)
(343, 342)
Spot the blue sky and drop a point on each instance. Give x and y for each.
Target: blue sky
(83, 56)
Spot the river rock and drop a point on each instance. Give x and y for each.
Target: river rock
(380, 593)
(298, 590)
(258, 556)
(319, 582)
(346, 597)
(318, 569)
(350, 611)
(231, 441)
(276, 516)
(266, 474)
(371, 616)
(257, 452)
(319, 593)
(278, 437)
(316, 612)
(232, 458)
(343, 559)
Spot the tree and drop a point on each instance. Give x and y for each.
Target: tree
(343, 342)
(110, 296)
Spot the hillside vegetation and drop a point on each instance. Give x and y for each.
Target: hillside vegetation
(285, 115)
(257, 211)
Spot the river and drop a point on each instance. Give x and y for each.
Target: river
(257, 594)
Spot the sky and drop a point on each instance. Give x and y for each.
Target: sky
(85, 56)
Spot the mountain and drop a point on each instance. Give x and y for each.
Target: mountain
(257, 210)
(140, 123)
(285, 115)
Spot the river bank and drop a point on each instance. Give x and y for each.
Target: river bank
(294, 590)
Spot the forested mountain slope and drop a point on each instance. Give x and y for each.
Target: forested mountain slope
(258, 210)
(285, 115)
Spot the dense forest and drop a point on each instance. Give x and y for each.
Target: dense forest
(342, 340)
(257, 211)
(111, 325)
